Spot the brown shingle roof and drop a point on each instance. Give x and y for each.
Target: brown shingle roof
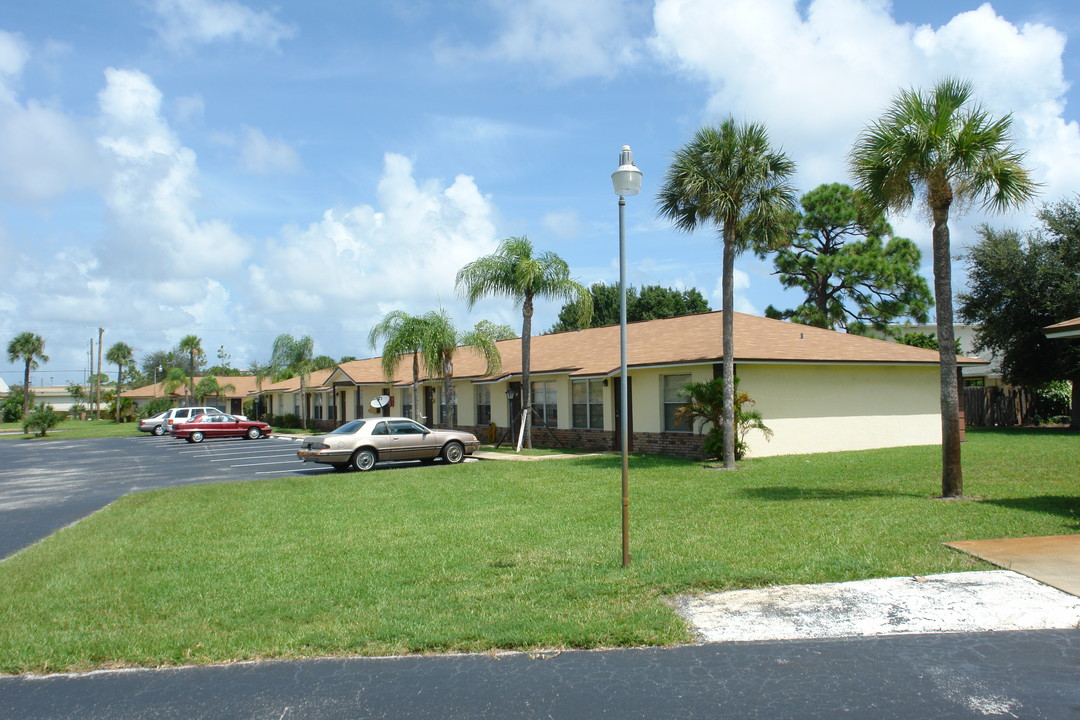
(691, 339)
(243, 384)
(1065, 328)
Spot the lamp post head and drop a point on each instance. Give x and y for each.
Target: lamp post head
(627, 178)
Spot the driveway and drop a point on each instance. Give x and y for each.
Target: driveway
(48, 484)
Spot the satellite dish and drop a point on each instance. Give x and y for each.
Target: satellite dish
(380, 402)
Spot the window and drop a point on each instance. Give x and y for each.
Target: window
(483, 404)
(447, 418)
(316, 413)
(405, 427)
(545, 410)
(587, 397)
(406, 403)
(674, 398)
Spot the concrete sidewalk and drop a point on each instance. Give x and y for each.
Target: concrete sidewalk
(1054, 560)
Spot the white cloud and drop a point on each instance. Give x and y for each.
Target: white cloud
(262, 155)
(741, 283)
(565, 224)
(43, 153)
(817, 77)
(361, 262)
(153, 189)
(569, 38)
(187, 22)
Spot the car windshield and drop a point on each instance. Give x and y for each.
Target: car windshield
(348, 428)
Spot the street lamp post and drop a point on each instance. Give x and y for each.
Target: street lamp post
(156, 371)
(627, 181)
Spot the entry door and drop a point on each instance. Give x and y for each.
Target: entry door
(618, 413)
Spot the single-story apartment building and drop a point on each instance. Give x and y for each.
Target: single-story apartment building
(817, 390)
(232, 402)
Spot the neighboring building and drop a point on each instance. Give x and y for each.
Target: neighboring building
(232, 402)
(818, 390)
(1067, 329)
(987, 374)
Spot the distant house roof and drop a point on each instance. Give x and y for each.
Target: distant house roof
(687, 340)
(1067, 329)
(243, 385)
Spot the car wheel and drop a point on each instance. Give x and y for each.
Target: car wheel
(158, 430)
(253, 433)
(453, 452)
(196, 437)
(364, 459)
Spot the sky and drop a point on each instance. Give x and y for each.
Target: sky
(237, 170)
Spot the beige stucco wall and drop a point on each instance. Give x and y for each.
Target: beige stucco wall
(647, 390)
(842, 407)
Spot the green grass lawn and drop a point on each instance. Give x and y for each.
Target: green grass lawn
(72, 429)
(499, 554)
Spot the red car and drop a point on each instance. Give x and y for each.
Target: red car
(215, 425)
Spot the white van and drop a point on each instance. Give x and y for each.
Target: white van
(179, 415)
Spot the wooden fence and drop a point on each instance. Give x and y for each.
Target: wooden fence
(994, 406)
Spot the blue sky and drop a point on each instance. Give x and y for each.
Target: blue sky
(237, 170)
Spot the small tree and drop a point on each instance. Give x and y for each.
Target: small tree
(43, 418)
(705, 403)
(209, 386)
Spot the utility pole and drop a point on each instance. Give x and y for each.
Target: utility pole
(97, 377)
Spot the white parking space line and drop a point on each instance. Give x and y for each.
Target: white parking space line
(282, 462)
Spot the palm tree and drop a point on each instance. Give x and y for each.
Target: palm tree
(441, 340)
(28, 348)
(174, 378)
(260, 372)
(192, 345)
(403, 334)
(731, 177)
(121, 355)
(514, 272)
(208, 386)
(294, 356)
(935, 146)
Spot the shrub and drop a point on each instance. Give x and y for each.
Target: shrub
(158, 404)
(11, 408)
(1053, 399)
(289, 421)
(42, 418)
(705, 402)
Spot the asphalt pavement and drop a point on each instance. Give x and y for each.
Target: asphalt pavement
(958, 675)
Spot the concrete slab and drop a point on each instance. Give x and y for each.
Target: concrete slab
(1054, 560)
(956, 602)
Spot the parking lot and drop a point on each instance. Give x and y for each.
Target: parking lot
(47, 485)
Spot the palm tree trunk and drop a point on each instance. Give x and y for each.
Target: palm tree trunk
(415, 388)
(26, 387)
(526, 359)
(449, 394)
(119, 376)
(1074, 416)
(728, 283)
(952, 479)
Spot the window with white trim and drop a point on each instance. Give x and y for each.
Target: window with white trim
(587, 404)
(483, 404)
(544, 404)
(674, 398)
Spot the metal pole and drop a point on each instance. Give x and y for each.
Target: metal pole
(624, 413)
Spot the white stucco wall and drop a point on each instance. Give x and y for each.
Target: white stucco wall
(842, 407)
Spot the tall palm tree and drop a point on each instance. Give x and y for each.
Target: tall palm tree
(730, 176)
(121, 355)
(294, 355)
(260, 372)
(515, 272)
(442, 340)
(937, 147)
(192, 345)
(28, 348)
(402, 334)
